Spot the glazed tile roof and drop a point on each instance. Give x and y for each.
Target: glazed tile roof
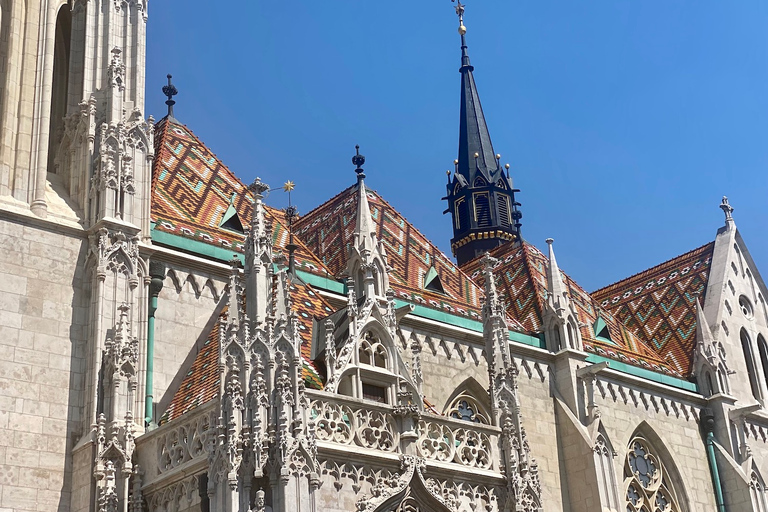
(328, 231)
(659, 304)
(201, 382)
(192, 190)
(522, 283)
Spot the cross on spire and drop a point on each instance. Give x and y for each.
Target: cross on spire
(170, 91)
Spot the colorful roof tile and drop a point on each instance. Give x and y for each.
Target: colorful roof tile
(201, 383)
(522, 283)
(328, 231)
(193, 192)
(659, 304)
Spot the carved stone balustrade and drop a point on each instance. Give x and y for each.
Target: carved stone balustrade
(359, 426)
(177, 449)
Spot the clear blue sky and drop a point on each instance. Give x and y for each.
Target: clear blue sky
(624, 121)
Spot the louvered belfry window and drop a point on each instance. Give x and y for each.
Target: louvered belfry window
(462, 214)
(503, 202)
(482, 210)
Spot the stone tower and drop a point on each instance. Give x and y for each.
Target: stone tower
(480, 197)
(75, 166)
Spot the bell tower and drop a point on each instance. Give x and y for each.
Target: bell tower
(480, 197)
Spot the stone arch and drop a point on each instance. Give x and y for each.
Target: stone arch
(650, 473)
(413, 496)
(757, 490)
(604, 454)
(750, 362)
(60, 81)
(469, 401)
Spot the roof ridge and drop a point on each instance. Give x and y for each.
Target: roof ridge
(604, 289)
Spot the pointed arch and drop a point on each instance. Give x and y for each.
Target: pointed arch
(757, 491)
(192, 280)
(606, 472)
(749, 360)
(652, 481)
(469, 402)
(59, 94)
(174, 277)
(762, 349)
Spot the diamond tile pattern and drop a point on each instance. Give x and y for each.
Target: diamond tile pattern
(659, 304)
(328, 231)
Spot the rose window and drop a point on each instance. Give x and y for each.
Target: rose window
(648, 488)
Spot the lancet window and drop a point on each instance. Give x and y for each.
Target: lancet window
(757, 491)
(606, 475)
(749, 359)
(646, 482)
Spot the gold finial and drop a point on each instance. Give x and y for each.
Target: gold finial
(506, 166)
(460, 13)
(289, 185)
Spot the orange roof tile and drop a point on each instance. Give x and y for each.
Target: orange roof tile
(522, 283)
(328, 231)
(659, 305)
(192, 190)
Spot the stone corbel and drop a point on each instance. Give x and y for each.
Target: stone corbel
(588, 374)
(739, 416)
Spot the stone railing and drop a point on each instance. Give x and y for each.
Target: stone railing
(351, 424)
(357, 424)
(177, 445)
(445, 441)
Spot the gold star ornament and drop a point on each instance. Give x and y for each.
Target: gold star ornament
(289, 185)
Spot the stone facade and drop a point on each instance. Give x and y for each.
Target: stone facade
(272, 388)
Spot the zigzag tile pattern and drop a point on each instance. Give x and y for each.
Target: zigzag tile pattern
(522, 282)
(659, 305)
(192, 189)
(328, 231)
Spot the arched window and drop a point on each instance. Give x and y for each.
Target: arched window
(466, 407)
(606, 475)
(469, 402)
(504, 219)
(763, 349)
(60, 82)
(372, 352)
(647, 485)
(746, 346)
(462, 214)
(757, 491)
(482, 210)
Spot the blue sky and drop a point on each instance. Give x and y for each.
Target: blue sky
(624, 122)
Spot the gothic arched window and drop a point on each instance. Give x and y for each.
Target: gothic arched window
(746, 346)
(762, 347)
(646, 483)
(465, 407)
(60, 81)
(757, 490)
(372, 352)
(482, 210)
(606, 475)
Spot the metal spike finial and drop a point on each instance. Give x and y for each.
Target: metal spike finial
(358, 160)
(170, 91)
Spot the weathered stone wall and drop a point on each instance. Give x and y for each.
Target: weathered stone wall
(43, 311)
(670, 424)
(186, 305)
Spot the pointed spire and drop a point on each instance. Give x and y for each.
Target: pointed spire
(703, 332)
(476, 156)
(556, 286)
(365, 230)
(170, 91)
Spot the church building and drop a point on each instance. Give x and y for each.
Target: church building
(170, 342)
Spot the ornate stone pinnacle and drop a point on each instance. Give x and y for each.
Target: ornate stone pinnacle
(727, 209)
(258, 187)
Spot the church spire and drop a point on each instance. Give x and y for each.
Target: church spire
(480, 195)
(476, 156)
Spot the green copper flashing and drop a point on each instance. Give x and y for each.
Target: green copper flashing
(645, 374)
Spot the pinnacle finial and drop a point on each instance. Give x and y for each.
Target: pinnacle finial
(358, 160)
(727, 209)
(170, 91)
(460, 13)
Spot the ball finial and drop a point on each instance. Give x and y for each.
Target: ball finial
(462, 29)
(506, 166)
